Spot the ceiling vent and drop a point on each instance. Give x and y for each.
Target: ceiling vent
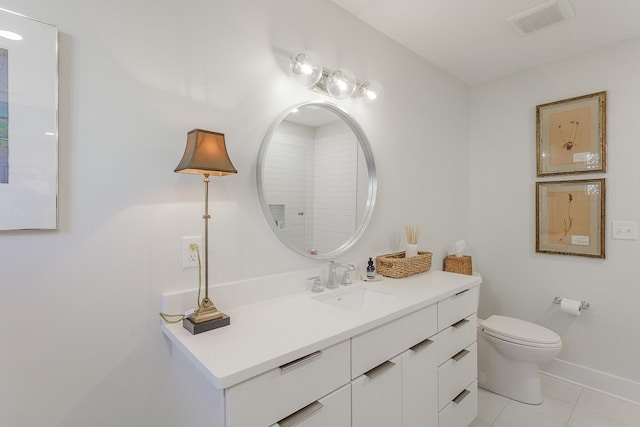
(541, 16)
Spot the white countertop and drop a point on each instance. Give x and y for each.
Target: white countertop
(270, 333)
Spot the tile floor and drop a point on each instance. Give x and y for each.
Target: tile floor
(565, 405)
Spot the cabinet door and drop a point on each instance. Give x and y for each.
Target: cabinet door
(376, 396)
(420, 385)
(332, 410)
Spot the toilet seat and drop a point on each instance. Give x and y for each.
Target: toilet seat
(520, 332)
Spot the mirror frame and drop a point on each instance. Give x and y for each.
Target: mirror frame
(372, 185)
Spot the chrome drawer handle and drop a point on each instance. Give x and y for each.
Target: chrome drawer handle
(379, 370)
(462, 292)
(459, 355)
(304, 359)
(460, 323)
(301, 415)
(422, 344)
(459, 398)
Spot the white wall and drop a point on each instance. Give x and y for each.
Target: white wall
(517, 280)
(81, 344)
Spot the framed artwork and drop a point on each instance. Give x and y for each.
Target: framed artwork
(570, 217)
(28, 123)
(571, 135)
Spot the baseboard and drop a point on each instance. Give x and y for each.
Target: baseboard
(590, 378)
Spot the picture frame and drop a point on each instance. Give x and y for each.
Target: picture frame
(571, 135)
(570, 217)
(28, 123)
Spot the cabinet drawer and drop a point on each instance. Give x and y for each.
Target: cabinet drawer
(376, 396)
(278, 393)
(456, 337)
(374, 347)
(456, 373)
(457, 307)
(332, 410)
(463, 410)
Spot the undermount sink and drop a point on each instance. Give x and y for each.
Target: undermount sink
(358, 298)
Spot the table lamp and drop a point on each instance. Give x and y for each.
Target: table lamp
(206, 154)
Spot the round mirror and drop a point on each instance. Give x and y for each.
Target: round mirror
(317, 179)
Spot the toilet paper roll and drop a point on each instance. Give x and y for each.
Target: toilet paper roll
(570, 306)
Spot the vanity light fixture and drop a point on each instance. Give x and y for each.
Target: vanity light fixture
(206, 154)
(306, 69)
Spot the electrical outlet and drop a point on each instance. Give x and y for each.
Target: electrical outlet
(190, 256)
(624, 230)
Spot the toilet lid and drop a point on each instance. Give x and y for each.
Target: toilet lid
(519, 330)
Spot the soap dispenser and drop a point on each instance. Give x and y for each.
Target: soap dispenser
(371, 270)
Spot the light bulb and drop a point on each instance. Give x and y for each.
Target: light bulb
(306, 68)
(372, 91)
(341, 83)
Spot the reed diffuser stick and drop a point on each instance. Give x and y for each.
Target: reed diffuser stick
(413, 233)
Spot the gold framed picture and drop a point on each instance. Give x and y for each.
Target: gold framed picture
(571, 135)
(570, 217)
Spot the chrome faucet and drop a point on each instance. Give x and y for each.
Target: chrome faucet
(332, 280)
(346, 277)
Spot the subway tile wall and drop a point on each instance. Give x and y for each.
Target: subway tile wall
(312, 174)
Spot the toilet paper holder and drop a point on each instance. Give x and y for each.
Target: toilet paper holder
(585, 304)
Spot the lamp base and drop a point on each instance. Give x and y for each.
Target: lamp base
(196, 328)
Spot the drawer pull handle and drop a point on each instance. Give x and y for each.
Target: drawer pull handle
(460, 323)
(459, 355)
(462, 292)
(295, 363)
(301, 415)
(379, 370)
(459, 398)
(422, 344)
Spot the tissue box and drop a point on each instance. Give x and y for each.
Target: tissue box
(460, 265)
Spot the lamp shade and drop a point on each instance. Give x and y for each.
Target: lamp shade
(205, 154)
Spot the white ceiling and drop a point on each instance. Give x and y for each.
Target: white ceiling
(472, 40)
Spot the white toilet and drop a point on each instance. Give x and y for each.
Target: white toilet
(509, 353)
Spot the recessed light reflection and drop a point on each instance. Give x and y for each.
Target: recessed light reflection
(50, 133)
(10, 35)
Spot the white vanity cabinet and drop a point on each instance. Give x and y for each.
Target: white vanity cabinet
(410, 365)
(457, 359)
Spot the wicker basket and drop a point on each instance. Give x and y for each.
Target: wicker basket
(397, 266)
(461, 265)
